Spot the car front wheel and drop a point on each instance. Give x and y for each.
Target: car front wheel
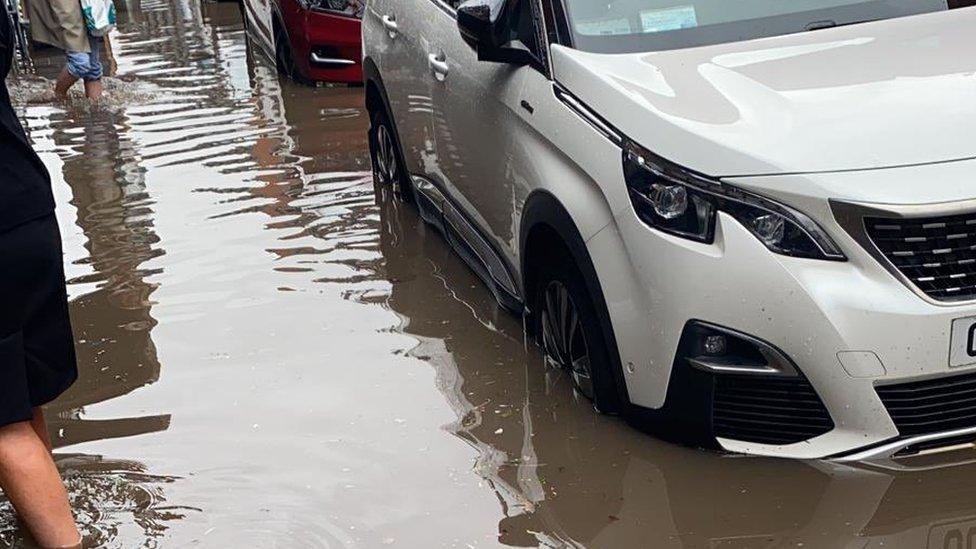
(569, 331)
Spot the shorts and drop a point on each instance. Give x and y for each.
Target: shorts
(37, 355)
(87, 66)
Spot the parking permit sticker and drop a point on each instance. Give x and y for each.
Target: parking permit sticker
(605, 27)
(678, 17)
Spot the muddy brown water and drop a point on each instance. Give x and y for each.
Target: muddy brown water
(274, 353)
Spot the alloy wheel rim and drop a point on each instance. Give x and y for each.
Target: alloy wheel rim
(386, 164)
(563, 338)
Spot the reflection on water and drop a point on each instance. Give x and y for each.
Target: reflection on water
(275, 353)
(114, 213)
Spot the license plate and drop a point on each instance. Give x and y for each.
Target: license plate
(960, 535)
(963, 346)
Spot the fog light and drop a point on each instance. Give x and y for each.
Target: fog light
(720, 350)
(669, 202)
(715, 345)
(770, 229)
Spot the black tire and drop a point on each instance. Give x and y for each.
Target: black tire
(558, 273)
(389, 169)
(284, 56)
(243, 10)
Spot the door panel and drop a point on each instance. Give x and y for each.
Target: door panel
(397, 33)
(484, 136)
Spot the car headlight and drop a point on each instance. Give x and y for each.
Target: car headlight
(352, 8)
(683, 203)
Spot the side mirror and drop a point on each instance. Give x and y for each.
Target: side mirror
(484, 25)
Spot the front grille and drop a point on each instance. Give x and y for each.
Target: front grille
(767, 410)
(938, 254)
(931, 406)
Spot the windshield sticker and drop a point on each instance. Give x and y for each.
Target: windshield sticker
(605, 27)
(678, 17)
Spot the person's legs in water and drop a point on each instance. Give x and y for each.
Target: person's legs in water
(93, 90)
(93, 80)
(37, 364)
(64, 82)
(85, 66)
(32, 483)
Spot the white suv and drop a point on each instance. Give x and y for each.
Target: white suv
(745, 225)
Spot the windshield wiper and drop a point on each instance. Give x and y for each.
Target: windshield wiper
(829, 24)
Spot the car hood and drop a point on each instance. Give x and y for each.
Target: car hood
(889, 93)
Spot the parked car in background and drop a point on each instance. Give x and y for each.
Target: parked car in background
(312, 40)
(742, 225)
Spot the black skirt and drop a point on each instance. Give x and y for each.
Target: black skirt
(37, 355)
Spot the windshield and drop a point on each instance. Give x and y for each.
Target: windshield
(617, 26)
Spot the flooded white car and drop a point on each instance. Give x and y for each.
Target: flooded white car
(274, 351)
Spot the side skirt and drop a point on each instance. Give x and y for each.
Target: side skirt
(467, 242)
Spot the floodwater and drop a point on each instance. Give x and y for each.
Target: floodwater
(274, 353)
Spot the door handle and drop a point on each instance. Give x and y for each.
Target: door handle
(390, 23)
(438, 65)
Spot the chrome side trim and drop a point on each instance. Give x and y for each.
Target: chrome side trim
(430, 202)
(589, 116)
(850, 216)
(482, 251)
(437, 210)
(888, 450)
(316, 58)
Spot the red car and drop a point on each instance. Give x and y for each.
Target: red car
(313, 40)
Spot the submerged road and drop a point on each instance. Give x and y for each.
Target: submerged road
(274, 353)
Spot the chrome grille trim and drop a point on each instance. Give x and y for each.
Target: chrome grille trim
(892, 448)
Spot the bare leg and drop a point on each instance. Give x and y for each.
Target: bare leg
(93, 90)
(63, 84)
(32, 483)
(40, 428)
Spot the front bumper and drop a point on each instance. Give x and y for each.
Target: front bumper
(816, 312)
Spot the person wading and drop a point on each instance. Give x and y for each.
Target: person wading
(37, 360)
(60, 23)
